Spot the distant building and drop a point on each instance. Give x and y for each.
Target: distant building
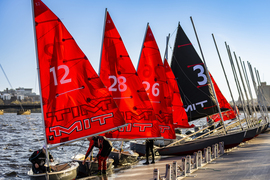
(265, 97)
(6, 96)
(9, 95)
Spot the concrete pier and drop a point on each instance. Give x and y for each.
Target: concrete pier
(250, 160)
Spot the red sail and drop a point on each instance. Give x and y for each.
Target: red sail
(227, 111)
(180, 119)
(76, 103)
(119, 75)
(152, 73)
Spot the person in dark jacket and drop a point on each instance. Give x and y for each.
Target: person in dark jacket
(38, 160)
(149, 145)
(105, 148)
(210, 123)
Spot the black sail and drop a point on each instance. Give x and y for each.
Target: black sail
(194, 85)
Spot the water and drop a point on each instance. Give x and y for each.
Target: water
(21, 135)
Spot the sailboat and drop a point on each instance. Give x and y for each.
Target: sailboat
(152, 73)
(75, 102)
(197, 95)
(180, 118)
(120, 77)
(24, 112)
(228, 113)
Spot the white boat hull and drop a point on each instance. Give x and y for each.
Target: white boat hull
(67, 174)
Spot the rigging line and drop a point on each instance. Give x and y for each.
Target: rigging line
(6, 76)
(68, 91)
(10, 84)
(47, 32)
(36, 82)
(79, 149)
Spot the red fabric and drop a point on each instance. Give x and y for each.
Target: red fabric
(91, 146)
(75, 101)
(102, 164)
(152, 73)
(119, 75)
(223, 103)
(180, 118)
(227, 115)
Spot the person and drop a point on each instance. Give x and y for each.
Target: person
(149, 145)
(105, 148)
(210, 123)
(38, 160)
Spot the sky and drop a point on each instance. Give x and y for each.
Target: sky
(243, 24)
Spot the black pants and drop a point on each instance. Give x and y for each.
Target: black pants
(41, 169)
(149, 145)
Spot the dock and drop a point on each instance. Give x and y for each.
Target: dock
(249, 160)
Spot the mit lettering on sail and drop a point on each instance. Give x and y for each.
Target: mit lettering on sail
(192, 107)
(78, 125)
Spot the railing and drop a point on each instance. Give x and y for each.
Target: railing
(190, 163)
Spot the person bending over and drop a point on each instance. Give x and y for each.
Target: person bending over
(105, 148)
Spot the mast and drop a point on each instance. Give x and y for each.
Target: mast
(248, 85)
(255, 88)
(207, 73)
(40, 90)
(236, 82)
(227, 81)
(166, 49)
(142, 46)
(244, 87)
(102, 40)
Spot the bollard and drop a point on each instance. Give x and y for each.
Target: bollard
(168, 172)
(188, 164)
(209, 154)
(195, 160)
(183, 166)
(174, 170)
(221, 148)
(216, 150)
(205, 155)
(199, 158)
(156, 174)
(213, 151)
